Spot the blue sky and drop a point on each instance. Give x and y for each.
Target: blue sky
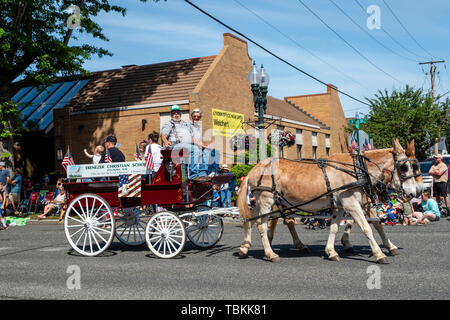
(172, 30)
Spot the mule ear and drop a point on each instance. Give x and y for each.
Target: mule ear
(398, 147)
(410, 148)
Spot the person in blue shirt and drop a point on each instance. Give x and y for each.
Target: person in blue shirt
(227, 189)
(16, 188)
(430, 210)
(216, 197)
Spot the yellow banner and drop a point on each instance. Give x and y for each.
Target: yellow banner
(227, 123)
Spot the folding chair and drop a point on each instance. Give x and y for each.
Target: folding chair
(34, 201)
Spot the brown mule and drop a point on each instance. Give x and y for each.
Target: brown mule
(300, 182)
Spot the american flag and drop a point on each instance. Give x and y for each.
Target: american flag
(68, 160)
(366, 145)
(129, 185)
(149, 160)
(137, 157)
(354, 145)
(108, 157)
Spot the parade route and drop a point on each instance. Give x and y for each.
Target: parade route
(38, 263)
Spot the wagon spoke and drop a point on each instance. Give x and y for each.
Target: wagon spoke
(82, 210)
(90, 241)
(173, 240)
(82, 219)
(75, 226)
(92, 210)
(81, 229)
(168, 246)
(85, 237)
(95, 239)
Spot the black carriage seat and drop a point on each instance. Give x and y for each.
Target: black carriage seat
(217, 179)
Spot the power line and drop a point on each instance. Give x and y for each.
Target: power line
(271, 53)
(371, 36)
(390, 36)
(299, 45)
(348, 44)
(404, 28)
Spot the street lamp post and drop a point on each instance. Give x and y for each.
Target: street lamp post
(259, 81)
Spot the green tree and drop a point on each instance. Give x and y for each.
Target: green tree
(34, 42)
(406, 115)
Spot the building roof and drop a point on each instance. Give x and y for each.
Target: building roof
(36, 105)
(127, 86)
(136, 85)
(286, 110)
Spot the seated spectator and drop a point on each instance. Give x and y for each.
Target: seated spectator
(63, 212)
(28, 187)
(430, 210)
(408, 210)
(58, 202)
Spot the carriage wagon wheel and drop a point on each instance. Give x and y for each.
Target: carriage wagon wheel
(89, 224)
(130, 226)
(165, 235)
(204, 230)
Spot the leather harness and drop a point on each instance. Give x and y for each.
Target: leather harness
(359, 172)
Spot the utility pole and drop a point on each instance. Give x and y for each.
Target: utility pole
(432, 71)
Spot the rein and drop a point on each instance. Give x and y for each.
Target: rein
(359, 172)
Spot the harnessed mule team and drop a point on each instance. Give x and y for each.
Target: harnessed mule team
(342, 183)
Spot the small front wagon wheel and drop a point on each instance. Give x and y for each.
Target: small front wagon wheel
(165, 235)
(205, 230)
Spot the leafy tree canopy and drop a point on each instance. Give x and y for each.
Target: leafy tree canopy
(34, 46)
(406, 115)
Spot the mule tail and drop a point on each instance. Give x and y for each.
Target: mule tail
(244, 210)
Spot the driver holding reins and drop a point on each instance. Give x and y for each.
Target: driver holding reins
(178, 134)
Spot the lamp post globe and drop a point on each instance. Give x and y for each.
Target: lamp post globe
(254, 76)
(264, 77)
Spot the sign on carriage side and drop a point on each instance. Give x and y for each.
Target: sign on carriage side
(106, 169)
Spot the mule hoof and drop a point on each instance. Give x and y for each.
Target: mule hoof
(394, 252)
(304, 250)
(349, 250)
(275, 259)
(383, 261)
(334, 258)
(242, 255)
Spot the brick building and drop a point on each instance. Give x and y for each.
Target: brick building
(132, 101)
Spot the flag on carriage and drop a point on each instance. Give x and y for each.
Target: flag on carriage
(68, 160)
(129, 185)
(354, 145)
(108, 157)
(137, 156)
(149, 160)
(366, 145)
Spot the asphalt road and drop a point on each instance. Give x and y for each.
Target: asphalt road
(35, 260)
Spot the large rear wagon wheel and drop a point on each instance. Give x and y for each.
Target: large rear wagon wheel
(130, 226)
(165, 235)
(89, 224)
